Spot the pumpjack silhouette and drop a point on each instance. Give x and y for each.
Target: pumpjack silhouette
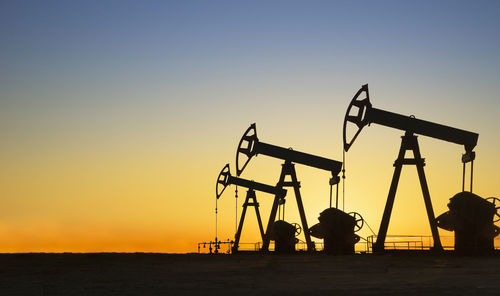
(470, 216)
(361, 113)
(250, 146)
(225, 179)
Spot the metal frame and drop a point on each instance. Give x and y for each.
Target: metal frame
(361, 113)
(288, 169)
(408, 142)
(225, 179)
(250, 200)
(250, 146)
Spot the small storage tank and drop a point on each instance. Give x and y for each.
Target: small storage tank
(337, 229)
(283, 234)
(471, 217)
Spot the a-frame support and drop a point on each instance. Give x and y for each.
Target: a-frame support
(250, 200)
(288, 169)
(408, 142)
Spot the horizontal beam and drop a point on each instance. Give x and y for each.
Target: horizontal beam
(299, 157)
(256, 186)
(422, 127)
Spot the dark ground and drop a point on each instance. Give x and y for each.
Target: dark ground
(247, 274)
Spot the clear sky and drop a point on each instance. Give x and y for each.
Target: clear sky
(117, 116)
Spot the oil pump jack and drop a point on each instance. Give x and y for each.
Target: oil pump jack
(250, 146)
(225, 179)
(361, 113)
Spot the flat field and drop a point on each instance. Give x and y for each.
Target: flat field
(247, 274)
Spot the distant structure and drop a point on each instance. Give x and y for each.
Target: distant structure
(225, 179)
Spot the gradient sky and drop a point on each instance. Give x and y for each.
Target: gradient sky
(117, 116)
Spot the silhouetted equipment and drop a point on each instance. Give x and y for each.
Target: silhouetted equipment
(337, 229)
(216, 246)
(250, 145)
(224, 179)
(361, 113)
(254, 146)
(283, 234)
(472, 218)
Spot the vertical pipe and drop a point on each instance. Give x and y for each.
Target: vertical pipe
(463, 177)
(216, 219)
(283, 212)
(471, 173)
(236, 207)
(331, 196)
(343, 179)
(337, 197)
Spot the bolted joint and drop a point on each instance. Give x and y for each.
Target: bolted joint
(334, 180)
(468, 157)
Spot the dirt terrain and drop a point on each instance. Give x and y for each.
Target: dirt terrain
(247, 274)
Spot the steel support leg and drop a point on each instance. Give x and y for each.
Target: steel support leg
(259, 220)
(288, 169)
(408, 142)
(427, 198)
(272, 215)
(384, 225)
(240, 226)
(250, 200)
(296, 187)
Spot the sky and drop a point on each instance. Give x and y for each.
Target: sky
(117, 116)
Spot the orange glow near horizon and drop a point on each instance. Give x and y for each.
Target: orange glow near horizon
(118, 204)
